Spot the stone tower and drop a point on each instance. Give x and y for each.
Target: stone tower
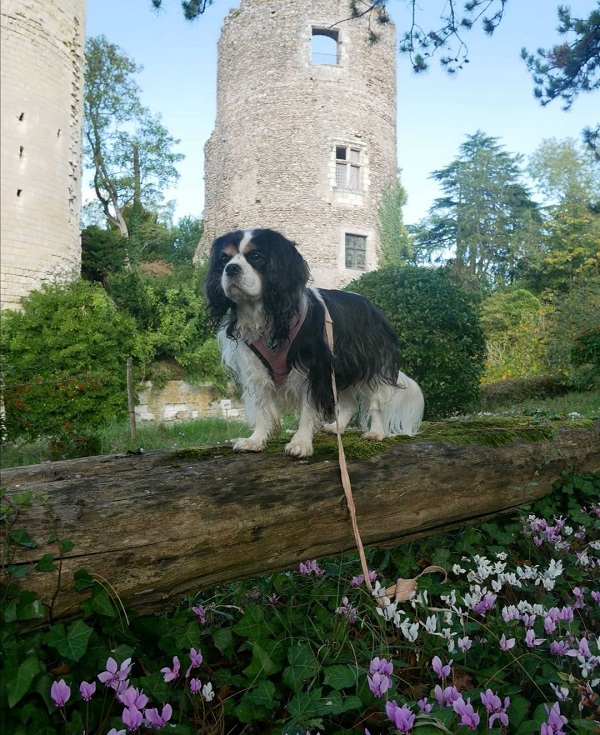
(42, 110)
(305, 133)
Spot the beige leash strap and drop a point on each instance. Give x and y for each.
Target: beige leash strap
(342, 458)
(404, 589)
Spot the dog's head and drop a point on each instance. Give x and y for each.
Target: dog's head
(259, 267)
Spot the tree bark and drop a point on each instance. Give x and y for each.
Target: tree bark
(162, 525)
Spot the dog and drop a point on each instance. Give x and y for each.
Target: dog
(271, 333)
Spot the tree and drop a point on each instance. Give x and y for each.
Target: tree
(128, 149)
(484, 222)
(569, 177)
(569, 68)
(395, 243)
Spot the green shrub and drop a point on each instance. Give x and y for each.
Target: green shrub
(440, 337)
(64, 369)
(586, 350)
(506, 392)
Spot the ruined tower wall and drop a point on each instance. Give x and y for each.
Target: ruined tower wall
(42, 55)
(282, 120)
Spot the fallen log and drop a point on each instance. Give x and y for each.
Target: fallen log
(161, 525)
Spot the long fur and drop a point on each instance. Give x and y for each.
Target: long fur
(256, 289)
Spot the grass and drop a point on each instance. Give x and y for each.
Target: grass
(586, 404)
(115, 437)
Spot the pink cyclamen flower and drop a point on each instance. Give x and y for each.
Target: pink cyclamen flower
(87, 690)
(115, 674)
(132, 717)
(159, 720)
(60, 692)
(201, 613)
(506, 643)
(424, 705)
(170, 674)
(494, 707)
(133, 697)
(464, 643)
(467, 714)
(195, 661)
(531, 641)
(446, 697)
(402, 717)
(310, 566)
(442, 671)
(382, 666)
(195, 686)
(379, 683)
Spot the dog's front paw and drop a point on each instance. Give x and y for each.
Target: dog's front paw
(299, 448)
(373, 436)
(249, 445)
(329, 428)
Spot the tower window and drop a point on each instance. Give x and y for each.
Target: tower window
(356, 252)
(348, 168)
(324, 48)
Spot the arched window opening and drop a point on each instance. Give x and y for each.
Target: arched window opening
(324, 46)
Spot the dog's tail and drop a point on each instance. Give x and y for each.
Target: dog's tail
(404, 411)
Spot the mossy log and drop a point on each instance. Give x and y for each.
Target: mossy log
(161, 525)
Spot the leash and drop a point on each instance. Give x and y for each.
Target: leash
(404, 589)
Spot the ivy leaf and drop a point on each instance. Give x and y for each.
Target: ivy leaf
(71, 644)
(252, 624)
(267, 657)
(305, 704)
(340, 677)
(258, 703)
(22, 538)
(18, 681)
(46, 564)
(102, 604)
(223, 640)
(303, 665)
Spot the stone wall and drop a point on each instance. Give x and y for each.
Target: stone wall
(271, 160)
(178, 400)
(42, 56)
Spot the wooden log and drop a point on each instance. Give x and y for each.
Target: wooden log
(164, 524)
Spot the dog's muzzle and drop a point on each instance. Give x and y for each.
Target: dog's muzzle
(232, 270)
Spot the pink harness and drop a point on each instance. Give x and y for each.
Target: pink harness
(275, 360)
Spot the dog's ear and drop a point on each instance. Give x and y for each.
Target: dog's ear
(286, 277)
(216, 301)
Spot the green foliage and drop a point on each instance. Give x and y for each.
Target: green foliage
(291, 652)
(441, 341)
(64, 371)
(515, 329)
(102, 252)
(514, 391)
(585, 353)
(572, 313)
(395, 244)
(486, 219)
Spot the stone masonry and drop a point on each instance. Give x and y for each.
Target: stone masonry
(303, 143)
(42, 110)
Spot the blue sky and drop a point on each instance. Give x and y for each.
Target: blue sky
(493, 93)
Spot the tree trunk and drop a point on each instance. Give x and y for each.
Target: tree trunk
(161, 525)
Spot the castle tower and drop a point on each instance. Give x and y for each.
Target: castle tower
(305, 133)
(42, 58)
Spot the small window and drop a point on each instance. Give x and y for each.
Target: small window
(348, 168)
(324, 46)
(356, 252)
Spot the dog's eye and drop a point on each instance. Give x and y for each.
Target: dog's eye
(254, 256)
(224, 259)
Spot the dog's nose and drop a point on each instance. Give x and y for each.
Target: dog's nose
(232, 270)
